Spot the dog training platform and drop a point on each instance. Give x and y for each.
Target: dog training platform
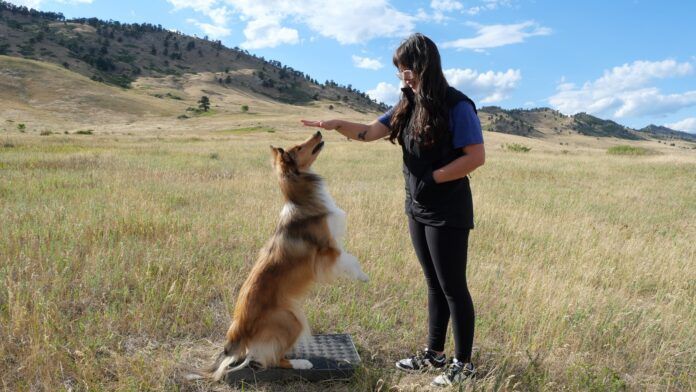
(334, 358)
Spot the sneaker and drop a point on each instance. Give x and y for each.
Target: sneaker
(422, 361)
(455, 373)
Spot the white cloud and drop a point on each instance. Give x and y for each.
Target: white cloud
(267, 33)
(212, 30)
(36, 4)
(218, 15)
(686, 125)
(446, 5)
(367, 63)
(267, 21)
(486, 87)
(386, 93)
(623, 91)
(492, 36)
(488, 5)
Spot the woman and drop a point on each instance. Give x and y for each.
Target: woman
(441, 140)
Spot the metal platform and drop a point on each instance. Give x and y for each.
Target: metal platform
(334, 358)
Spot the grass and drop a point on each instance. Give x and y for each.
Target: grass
(120, 259)
(627, 150)
(251, 129)
(516, 147)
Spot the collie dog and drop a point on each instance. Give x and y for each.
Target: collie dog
(305, 248)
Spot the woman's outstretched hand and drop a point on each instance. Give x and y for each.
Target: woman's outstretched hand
(328, 124)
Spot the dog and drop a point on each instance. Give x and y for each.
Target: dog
(306, 248)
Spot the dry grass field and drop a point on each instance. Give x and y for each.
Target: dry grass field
(121, 253)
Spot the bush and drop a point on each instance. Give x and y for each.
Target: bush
(86, 132)
(245, 108)
(214, 156)
(45, 133)
(21, 127)
(627, 150)
(515, 147)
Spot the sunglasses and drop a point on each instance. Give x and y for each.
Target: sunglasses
(406, 74)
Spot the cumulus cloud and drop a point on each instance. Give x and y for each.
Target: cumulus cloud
(213, 31)
(492, 36)
(386, 93)
(268, 33)
(219, 16)
(488, 5)
(686, 125)
(623, 91)
(485, 87)
(36, 4)
(367, 63)
(446, 5)
(267, 22)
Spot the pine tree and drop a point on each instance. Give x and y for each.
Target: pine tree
(204, 103)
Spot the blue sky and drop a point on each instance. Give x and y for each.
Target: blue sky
(632, 61)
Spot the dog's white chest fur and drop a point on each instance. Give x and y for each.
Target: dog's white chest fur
(347, 264)
(336, 218)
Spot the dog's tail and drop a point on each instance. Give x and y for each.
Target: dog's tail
(230, 355)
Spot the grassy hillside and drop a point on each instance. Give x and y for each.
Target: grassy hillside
(119, 53)
(121, 256)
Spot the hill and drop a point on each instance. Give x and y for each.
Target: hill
(664, 133)
(545, 122)
(118, 54)
(55, 59)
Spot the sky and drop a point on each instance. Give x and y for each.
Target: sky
(631, 61)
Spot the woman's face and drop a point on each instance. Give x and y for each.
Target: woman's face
(408, 77)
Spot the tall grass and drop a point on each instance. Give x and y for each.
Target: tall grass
(121, 259)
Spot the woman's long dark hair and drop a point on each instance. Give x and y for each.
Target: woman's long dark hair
(425, 110)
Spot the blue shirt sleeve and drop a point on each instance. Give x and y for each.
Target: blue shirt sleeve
(386, 117)
(465, 125)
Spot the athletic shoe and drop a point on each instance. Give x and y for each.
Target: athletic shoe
(455, 373)
(422, 361)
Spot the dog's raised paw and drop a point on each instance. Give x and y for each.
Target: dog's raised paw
(301, 364)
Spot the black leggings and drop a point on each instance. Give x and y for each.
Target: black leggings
(442, 254)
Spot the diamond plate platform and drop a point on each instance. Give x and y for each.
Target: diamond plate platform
(334, 358)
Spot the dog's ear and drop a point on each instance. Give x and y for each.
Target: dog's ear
(276, 150)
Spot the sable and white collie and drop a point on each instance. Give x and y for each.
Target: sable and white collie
(305, 248)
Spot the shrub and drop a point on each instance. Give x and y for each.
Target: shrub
(245, 108)
(85, 132)
(21, 127)
(515, 147)
(45, 133)
(214, 156)
(627, 150)
(182, 117)
(330, 107)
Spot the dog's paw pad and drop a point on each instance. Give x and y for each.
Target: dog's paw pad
(301, 364)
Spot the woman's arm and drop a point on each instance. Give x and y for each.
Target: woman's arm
(356, 131)
(474, 156)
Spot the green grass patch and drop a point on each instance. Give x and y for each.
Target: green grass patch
(515, 147)
(628, 150)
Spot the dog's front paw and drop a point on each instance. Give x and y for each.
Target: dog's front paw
(301, 364)
(363, 277)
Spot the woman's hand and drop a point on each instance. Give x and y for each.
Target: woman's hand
(328, 124)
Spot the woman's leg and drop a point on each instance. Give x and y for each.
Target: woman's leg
(438, 307)
(448, 252)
